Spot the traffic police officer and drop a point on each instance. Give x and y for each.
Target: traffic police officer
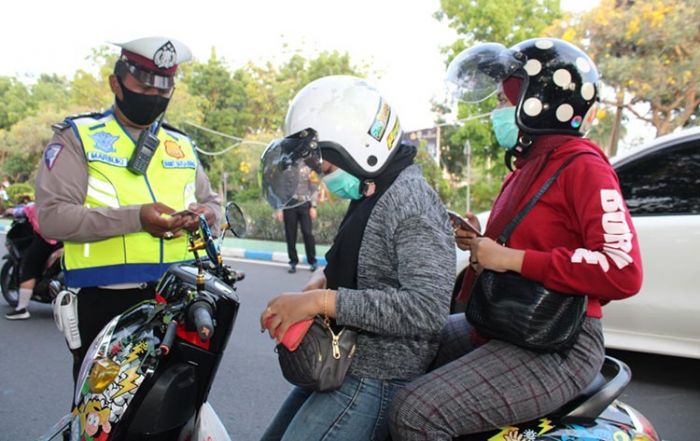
(108, 182)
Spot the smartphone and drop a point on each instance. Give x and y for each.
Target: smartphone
(184, 213)
(463, 223)
(295, 333)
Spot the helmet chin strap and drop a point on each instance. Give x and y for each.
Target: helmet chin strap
(521, 149)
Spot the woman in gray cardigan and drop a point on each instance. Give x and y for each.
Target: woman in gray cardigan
(390, 269)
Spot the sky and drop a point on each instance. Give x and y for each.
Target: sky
(400, 39)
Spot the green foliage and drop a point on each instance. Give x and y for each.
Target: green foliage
(24, 143)
(17, 192)
(15, 102)
(648, 50)
(503, 21)
(433, 175)
(262, 223)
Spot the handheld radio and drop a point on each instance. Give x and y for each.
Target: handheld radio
(145, 148)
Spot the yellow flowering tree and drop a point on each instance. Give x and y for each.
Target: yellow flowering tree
(649, 51)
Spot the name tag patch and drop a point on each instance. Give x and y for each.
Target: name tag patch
(107, 159)
(177, 163)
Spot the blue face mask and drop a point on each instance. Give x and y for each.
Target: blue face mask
(504, 126)
(343, 184)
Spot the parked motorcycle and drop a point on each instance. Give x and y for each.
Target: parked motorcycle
(18, 238)
(147, 375)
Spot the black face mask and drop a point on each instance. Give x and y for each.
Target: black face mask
(139, 108)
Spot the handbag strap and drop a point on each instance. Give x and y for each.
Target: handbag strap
(503, 238)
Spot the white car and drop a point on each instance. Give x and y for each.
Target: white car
(661, 185)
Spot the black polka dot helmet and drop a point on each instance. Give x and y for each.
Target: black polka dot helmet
(560, 89)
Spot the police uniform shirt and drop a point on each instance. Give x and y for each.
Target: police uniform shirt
(61, 189)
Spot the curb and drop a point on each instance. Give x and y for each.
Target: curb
(242, 253)
(274, 256)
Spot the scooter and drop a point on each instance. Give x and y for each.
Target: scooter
(147, 375)
(594, 415)
(17, 240)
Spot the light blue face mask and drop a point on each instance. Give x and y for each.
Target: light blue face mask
(504, 126)
(343, 184)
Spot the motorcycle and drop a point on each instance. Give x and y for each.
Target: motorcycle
(147, 375)
(594, 415)
(18, 238)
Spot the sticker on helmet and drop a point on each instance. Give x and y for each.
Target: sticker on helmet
(381, 119)
(392, 135)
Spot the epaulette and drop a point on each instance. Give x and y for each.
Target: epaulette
(169, 126)
(60, 126)
(86, 114)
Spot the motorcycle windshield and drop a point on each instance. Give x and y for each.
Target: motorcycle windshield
(290, 170)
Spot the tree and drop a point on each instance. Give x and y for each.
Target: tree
(90, 91)
(15, 101)
(649, 51)
(52, 91)
(504, 21)
(25, 143)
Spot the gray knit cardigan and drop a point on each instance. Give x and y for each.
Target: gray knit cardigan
(405, 276)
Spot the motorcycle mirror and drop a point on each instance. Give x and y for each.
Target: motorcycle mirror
(208, 239)
(235, 219)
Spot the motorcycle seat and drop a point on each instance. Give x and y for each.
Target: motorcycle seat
(598, 395)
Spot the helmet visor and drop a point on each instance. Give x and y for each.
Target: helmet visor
(476, 73)
(290, 170)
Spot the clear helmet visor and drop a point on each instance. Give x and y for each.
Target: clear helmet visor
(476, 73)
(290, 170)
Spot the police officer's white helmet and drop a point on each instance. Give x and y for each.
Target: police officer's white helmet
(358, 130)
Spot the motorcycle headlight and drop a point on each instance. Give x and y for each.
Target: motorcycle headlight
(98, 347)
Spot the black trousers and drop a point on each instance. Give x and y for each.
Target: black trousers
(96, 307)
(34, 258)
(299, 215)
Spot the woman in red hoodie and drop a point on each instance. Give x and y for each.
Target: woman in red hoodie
(577, 239)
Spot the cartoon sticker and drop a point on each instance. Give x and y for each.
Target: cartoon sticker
(381, 120)
(94, 421)
(51, 154)
(392, 135)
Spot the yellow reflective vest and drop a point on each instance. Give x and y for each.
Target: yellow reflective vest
(170, 179)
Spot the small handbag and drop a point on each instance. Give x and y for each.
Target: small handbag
(322, 359)
(506, 306)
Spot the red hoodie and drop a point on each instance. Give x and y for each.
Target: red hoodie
(579, 237)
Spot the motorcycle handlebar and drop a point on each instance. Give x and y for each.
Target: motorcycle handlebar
(200, 313)
(168, 339)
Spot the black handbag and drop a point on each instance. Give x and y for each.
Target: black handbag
(509, 307)
(322, 359)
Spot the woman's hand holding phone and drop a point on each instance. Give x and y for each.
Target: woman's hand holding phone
(464, 229)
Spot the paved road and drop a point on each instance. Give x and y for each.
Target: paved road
(35, 375)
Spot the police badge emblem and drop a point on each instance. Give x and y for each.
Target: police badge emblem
(166, 56)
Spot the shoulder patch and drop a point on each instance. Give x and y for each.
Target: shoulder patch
(51, 154)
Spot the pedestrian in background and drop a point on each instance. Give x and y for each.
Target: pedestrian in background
(302, 214)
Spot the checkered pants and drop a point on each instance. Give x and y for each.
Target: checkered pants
(476, 388)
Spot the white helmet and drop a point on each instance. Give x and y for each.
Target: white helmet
(357, 129)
